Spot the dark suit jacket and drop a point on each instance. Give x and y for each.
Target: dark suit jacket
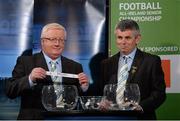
(18, 85)
(148, 75)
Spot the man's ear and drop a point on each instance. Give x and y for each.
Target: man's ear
(138, 38)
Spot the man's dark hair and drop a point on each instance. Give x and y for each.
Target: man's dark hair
(128, 24)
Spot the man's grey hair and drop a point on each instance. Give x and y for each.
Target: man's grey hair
(128, 24)
(52, 26)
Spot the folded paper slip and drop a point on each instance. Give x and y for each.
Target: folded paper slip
(61, 74)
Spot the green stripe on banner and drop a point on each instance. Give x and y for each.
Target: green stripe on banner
(170, 110)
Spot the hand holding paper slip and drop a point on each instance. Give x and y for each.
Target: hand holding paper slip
(61, 74)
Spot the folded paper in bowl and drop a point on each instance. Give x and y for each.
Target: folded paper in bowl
(122, 97)
(65, 97)
(91, 102)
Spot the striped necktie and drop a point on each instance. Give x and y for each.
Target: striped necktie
(122, 78)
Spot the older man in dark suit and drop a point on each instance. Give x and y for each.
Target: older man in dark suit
(144, 69)
(29, 75)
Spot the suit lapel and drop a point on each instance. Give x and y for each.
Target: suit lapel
(68, 67)
(41, 62)
(135, 66)
(64, 65)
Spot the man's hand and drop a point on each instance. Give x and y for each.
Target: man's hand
(105, 105)
(37, 73)
(83, 79)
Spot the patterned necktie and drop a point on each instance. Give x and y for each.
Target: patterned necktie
(56, 81)
(54, 69)
(122, 78)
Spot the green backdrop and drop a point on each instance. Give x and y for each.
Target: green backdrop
(159, 22)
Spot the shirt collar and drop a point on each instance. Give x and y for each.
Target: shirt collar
(48, 59)
(131, 55)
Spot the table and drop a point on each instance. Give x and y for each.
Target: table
(92, 115)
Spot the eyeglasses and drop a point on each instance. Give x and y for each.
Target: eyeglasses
(53, 40)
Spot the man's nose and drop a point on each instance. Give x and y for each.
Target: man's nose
(57, 42)
(123, 40)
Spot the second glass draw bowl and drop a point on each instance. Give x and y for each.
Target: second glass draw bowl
(91, 102)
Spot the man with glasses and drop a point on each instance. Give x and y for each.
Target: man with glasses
(30, 72)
